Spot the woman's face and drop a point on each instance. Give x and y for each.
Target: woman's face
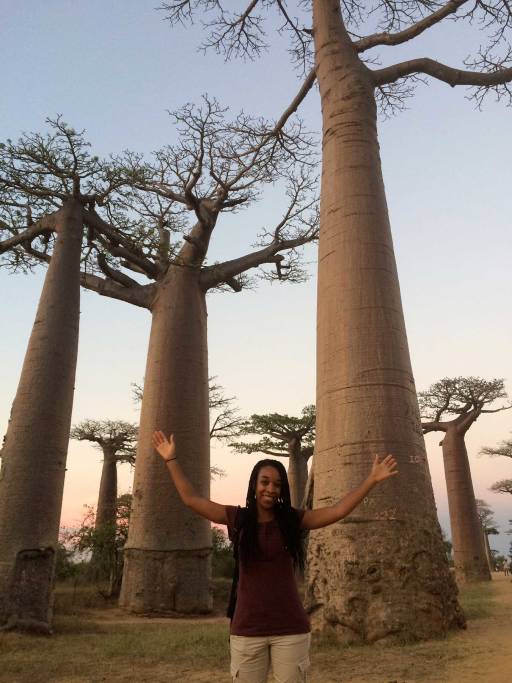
(268, 487)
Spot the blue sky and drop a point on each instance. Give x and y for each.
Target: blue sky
(115, 68)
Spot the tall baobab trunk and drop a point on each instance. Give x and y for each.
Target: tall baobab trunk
(488, 553)
(167, 556)
(468, 546)
(106, 506)
(297, 472)
(34, 455)
(382, 572)
(107, 497)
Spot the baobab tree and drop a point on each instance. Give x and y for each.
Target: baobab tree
(489, 528)
(117, 440)
(465, 399)
(45, 183)
(283, 436)
(366, 398)
(217, 166)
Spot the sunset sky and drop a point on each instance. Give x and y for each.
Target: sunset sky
(114, 69)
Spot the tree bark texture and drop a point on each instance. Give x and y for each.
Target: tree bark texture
(382, 572)
(35, 450)
(467, 539)
(168, 553)
(297, 473)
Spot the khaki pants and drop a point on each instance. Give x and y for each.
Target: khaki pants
(252, 657)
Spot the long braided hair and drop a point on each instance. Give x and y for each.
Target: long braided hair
(286, 517)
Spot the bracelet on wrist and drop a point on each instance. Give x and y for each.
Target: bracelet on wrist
(170, 459)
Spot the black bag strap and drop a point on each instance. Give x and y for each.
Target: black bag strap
(237, 525)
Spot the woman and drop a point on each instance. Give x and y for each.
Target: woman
(269, 625)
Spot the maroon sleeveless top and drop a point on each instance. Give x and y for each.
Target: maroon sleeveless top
(268, 602)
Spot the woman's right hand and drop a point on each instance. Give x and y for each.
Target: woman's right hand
(164, 446)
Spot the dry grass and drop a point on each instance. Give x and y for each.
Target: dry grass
(91, 644)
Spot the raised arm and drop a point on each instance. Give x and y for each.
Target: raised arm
(166, 448)
(314, 519)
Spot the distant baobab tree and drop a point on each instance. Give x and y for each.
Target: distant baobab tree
(283, 436)
(489, 528)
(117, 440)
(464, 399)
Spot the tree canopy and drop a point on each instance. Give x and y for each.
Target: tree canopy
(502, 486)
(243, 33)
(463, 398)
(486, 517)
(278, 432)
(116, 436)
(142, 215)
(504, 448)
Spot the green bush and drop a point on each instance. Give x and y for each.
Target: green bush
(223, 562)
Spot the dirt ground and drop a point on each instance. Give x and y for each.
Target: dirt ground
(95, 643)
(489, 642)
(482, 653)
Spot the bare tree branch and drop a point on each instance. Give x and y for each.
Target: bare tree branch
(441, 72)
(119, 244)
(410, 32)
(115, 275)
(141, 295)
(43, 225)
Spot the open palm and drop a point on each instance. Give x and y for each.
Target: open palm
(164, 446)
(385, 469)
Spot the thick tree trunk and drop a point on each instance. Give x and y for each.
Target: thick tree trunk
(167, 556)
(468, 547)
(297, 473)
(382, 572)
(106, 507)
(34, 455)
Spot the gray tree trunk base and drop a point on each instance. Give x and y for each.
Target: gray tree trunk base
(160, 582)
(422, 591)
(29, 606)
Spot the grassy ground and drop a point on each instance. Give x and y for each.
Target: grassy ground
(94, 641)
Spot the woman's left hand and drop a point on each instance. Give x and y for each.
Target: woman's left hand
(383, 470)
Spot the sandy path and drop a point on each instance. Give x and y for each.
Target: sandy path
(490, 643)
